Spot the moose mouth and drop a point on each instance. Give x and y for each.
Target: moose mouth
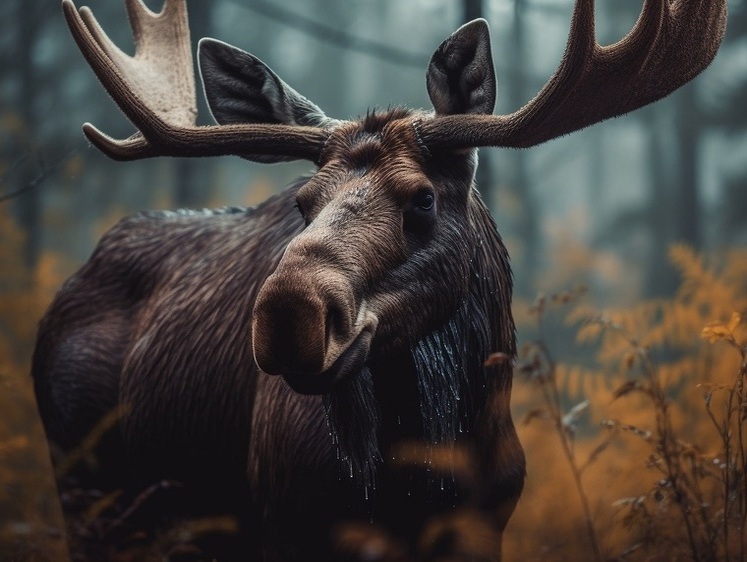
(350, 362)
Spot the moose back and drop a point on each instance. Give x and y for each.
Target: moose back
(313, 360)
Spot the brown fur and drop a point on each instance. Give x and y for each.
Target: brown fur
(160, 324)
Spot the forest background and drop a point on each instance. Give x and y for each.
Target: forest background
(646, 212)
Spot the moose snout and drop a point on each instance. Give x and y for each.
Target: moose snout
(300, 328)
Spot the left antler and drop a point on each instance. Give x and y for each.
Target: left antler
(672, 42)
(156, 90)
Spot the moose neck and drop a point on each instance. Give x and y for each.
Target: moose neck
(435, 392)
(453, 385)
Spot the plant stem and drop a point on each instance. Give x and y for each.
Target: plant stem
(566, 439)
(669, 446)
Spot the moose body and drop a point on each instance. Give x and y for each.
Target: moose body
(142, 319)
(319, 359)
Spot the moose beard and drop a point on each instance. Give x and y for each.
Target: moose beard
(450, 375)
(353, 417)
(450, 381)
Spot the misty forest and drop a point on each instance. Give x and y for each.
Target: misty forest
(628, 245)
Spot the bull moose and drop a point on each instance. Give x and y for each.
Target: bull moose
(274, 362)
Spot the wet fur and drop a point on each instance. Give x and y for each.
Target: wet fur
(146, 328)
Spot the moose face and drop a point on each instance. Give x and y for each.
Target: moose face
(383, 260)
(384, 257)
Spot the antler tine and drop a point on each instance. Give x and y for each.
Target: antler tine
(138, 13)
(671, 43)
(131, 81)
(155, 89)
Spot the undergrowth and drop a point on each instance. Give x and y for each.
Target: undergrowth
(663, 475)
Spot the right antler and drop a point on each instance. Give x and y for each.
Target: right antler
(155, 89)
(670, 44)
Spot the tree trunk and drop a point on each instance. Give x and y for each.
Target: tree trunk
(192, 176)
(687, 226)
(472, 9)
(674, 208)
(661, 278)
(528, 222)
(29, 203)
(485, 177)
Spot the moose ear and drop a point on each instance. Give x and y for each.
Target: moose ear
(460, 75)
(240, 88)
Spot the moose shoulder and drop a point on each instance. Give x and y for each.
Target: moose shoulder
(306, 362)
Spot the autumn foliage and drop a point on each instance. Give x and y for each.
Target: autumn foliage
(639, 453)
(30, 519)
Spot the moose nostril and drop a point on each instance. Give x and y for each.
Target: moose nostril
(288, 332)
(301, 326)
(335, 325)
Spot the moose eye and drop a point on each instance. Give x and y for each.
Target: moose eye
(419, 216)
(424, 200)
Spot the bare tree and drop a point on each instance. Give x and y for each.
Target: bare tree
(28, 205)
(191, 177)
(486, 176)
(517, 94)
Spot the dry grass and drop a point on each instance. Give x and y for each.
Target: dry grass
(659, 473)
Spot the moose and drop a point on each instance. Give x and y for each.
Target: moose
(281, 363)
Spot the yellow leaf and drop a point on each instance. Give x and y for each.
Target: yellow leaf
(736, 318)
(715, 332)
(718, 331)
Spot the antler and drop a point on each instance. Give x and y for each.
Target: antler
(155, 89)
(672, 42)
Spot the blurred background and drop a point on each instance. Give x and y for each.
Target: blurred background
(599, 208)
